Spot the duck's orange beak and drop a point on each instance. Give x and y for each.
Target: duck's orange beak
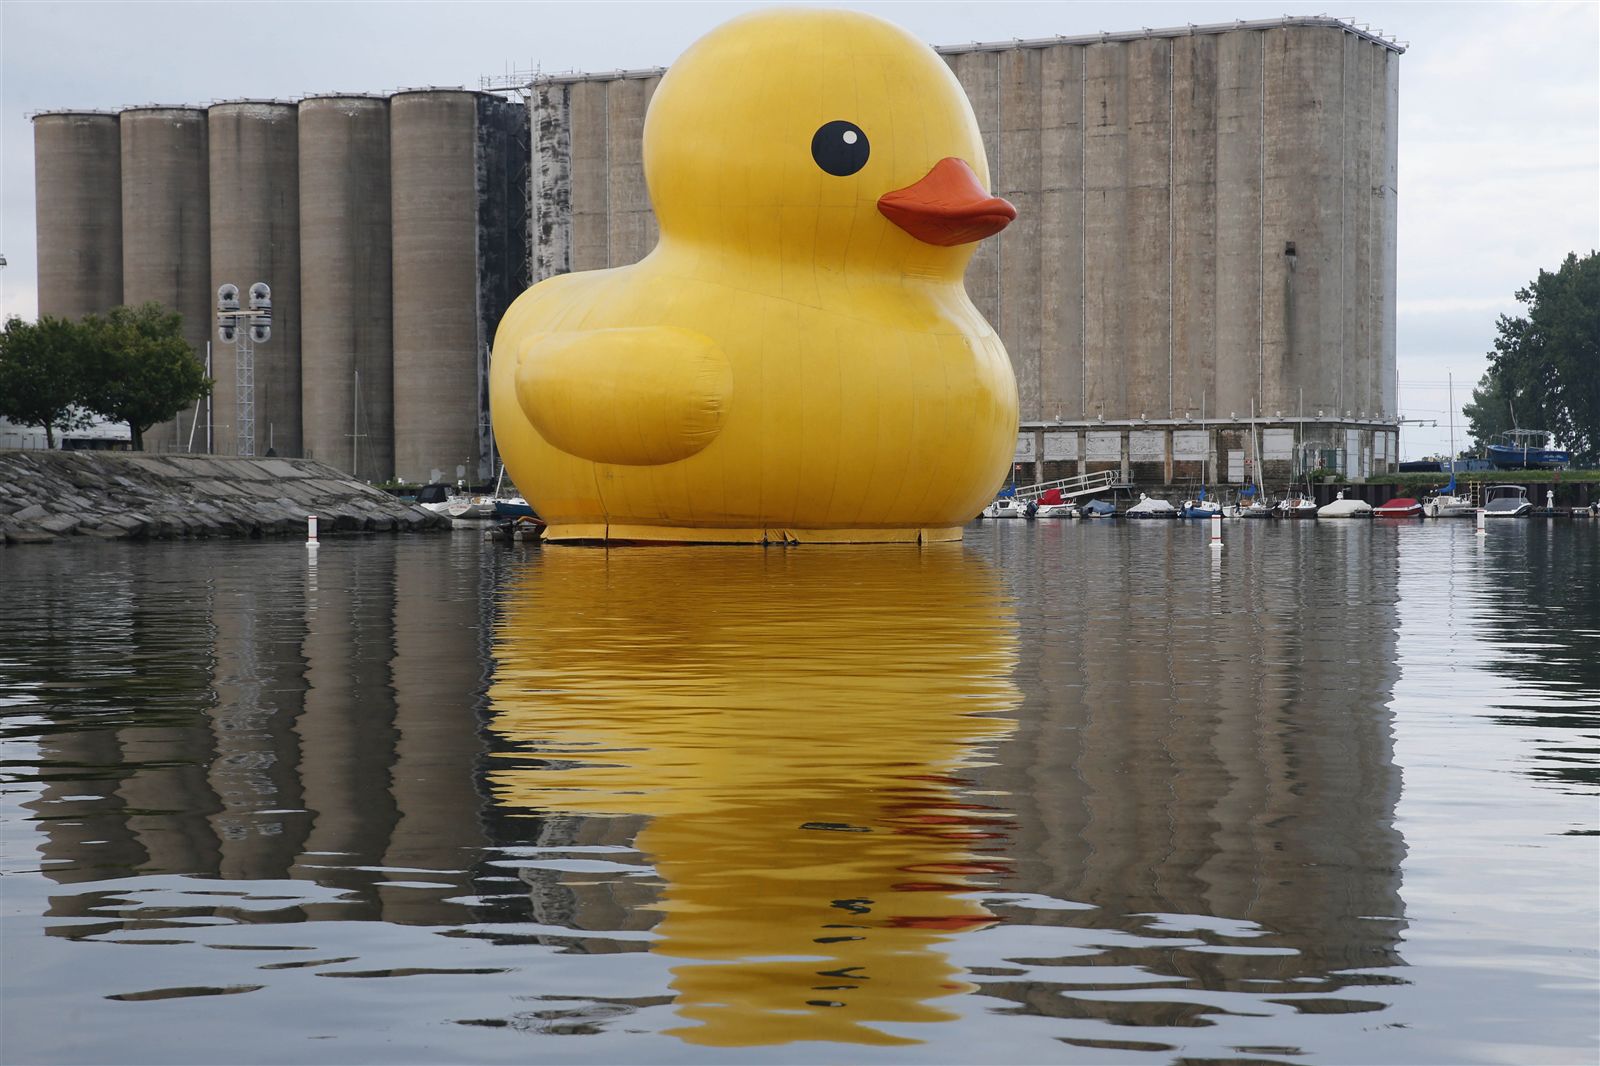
(947, 207)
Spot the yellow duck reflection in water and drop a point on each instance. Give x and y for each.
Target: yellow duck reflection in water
(793, 724)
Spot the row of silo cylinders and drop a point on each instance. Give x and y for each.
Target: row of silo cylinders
(359, 211)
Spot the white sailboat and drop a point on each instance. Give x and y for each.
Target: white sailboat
(1445, 503)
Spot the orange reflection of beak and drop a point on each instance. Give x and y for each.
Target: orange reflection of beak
(947, 207)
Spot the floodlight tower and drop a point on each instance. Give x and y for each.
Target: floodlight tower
(244, 329)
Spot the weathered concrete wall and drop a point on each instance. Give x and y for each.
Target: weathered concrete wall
(347, 324)
(550, 184)
(1061, 252)
(255, 236)
(433, 176)
(78, 212)
(166, 235)
(46, 494)
(503, 157)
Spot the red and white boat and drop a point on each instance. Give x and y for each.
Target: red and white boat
(1399, 507)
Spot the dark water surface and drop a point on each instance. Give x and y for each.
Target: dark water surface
(1063, 793)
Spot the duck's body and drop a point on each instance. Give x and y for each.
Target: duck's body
(798, 358)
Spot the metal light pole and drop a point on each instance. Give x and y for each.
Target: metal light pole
(244, 329)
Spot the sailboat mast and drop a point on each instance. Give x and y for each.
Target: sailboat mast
(1450, 382)
(355, 429)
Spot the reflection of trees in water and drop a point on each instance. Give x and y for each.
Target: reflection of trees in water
(307, 719)
(1210, 739)
(1539, 619)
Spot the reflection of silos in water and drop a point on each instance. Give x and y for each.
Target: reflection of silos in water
(437, 674)
(459, 259)
(255, 236)
(166, 239)
(794, 739)
(1220, 748)
(78, 195)
(346, 331)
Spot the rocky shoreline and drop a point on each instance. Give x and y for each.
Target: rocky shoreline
(49, 495)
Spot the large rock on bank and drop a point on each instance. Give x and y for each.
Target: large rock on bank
(45, 495)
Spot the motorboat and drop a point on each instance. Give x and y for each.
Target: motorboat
(1098, 509)
(1004, 507)
(470, 507)
(1053, 505)
(1399, 507)
(1506, 501)
(1527, 449)
(1296, 506)
(436, 497)
(442, 499)
(1150, 508)
(1343, 508)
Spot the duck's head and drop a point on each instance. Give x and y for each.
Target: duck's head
(820, 135)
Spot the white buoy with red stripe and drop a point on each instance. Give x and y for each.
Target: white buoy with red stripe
(311, 529)
(1216, 530)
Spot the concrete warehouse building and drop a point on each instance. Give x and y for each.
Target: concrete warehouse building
(1200, 283)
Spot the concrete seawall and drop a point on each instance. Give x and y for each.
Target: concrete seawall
(45, 495)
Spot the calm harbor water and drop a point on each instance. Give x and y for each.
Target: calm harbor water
(1062, 793)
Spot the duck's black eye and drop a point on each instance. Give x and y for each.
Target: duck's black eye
(840, 148)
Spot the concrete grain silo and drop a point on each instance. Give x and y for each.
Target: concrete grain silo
(166, 241)
(449, 155)
(346, 326)
(255, 236)
(591, 209)
(78, 212)
(1214, 220)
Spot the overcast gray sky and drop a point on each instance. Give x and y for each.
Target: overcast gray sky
(1499, 111)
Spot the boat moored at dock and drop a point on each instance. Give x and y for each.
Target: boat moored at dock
(1343, 508)
(1148, 507)
(1506, 501)
(1399, 507)
(1296, 506)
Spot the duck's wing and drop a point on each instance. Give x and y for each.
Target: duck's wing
(639, 396)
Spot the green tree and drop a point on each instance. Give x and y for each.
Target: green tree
(139, 369)
(41, 374)
(1547, 363)
(1489, 411)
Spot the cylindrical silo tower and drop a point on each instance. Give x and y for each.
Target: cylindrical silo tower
(438, 434)
(255, 236)
(78, 195)
(166, 236)
(346, 323)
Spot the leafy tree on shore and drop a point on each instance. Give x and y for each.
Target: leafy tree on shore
(1547, 364)
(41, 375)
(139, 369)
(1489, 412)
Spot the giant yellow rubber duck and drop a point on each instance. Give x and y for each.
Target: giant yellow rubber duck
(797, 757)
(797, 359)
